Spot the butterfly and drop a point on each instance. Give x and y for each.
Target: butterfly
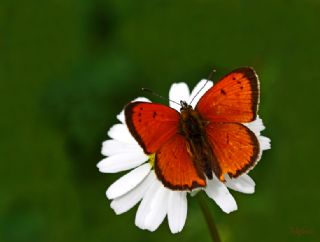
(191, 146)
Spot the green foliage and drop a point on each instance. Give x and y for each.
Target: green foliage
(68, 67)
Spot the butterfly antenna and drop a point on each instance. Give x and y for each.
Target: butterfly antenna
(211, 74)
(209, 79)
(158, 95)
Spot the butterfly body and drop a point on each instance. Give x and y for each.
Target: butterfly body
(200, 142)
(192, 127)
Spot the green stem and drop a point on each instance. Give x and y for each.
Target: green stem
(208, 217)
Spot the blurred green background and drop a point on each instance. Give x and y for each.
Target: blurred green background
(68, 67)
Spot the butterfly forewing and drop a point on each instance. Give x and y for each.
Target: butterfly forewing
(151, 124)
(234, 98)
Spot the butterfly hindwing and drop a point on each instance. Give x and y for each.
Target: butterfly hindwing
(236, 148)
(151, 124)
(175, 167)
(234, 98)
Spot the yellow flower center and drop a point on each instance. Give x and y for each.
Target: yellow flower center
(151, 159)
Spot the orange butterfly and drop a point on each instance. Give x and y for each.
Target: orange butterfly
(192, 145)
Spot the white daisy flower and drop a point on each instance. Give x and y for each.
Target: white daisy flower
(141, 184)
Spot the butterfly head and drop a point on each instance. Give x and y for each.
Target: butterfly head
(184, 106)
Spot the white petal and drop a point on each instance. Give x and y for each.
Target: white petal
(177, 210)
(220, 194)
(195, 191)
(158, 208)
(196, 89)
(114, 147)
(127, 201)
(264, 143)
(178, 92)
(141, 99)
(121, 133)
(128, 181)
(122, 162)
(243, 183)
(256, 126)
(144, 206)
(121, 116)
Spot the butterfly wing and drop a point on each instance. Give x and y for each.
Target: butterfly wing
(151, 124)
(236, 148)
(234, 98)
(175, 167)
